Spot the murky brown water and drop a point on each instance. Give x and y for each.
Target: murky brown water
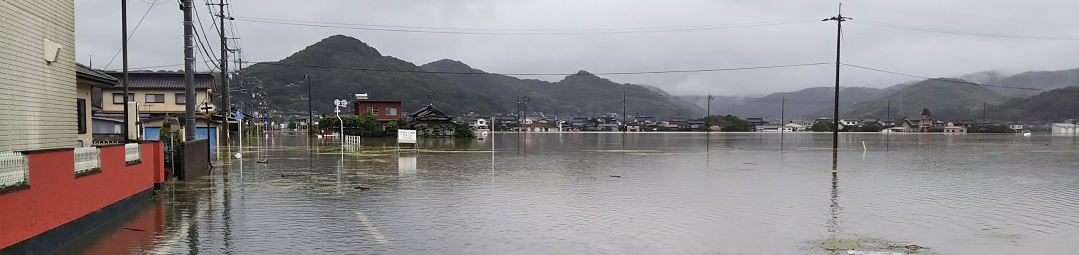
(676, 193)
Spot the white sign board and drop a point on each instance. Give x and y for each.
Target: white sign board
(406, 136)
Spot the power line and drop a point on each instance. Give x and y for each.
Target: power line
(966, 33)
(547, 74)
(477, 31)
(942, 79)
(200, 37)
(151, 67)
(132, 34)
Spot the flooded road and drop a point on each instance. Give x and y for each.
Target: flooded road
(589, 193)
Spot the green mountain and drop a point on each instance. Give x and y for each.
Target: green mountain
(341, 66)
(581, 93)
(718, 102)
(697, 109)
(810, 103)
(1054, 105)
(946, 99)
(1040, 80)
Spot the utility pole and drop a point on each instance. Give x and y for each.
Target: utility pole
(624, 126)
(310, 116)
(888, 114)
(782, 117)
(189, 74)
(984, 121)
(225, 99)
(839, 19)
(123, 45)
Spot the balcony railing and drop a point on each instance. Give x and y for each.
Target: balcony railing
(13, 169)
(87, 159)
(132, 153)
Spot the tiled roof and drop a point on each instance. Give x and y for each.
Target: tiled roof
(163, 80)
(86, 72)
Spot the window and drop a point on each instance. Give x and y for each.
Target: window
(118, 98)
(81, 112)
(181, 98)
(372, 110)
(155, 98)
(391, 111)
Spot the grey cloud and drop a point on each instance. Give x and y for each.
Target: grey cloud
(159, 40)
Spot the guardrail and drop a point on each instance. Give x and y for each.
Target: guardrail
(132, 153)
(87, 159)
(14, 169)
(351, 139)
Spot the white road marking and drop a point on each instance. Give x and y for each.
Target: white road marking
(371, 227)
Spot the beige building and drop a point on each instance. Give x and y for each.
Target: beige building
(86, 79)
(157, 93)
(37, 75)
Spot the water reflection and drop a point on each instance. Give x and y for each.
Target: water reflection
(748, 194)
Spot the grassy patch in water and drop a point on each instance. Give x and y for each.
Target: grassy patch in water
(875, 245)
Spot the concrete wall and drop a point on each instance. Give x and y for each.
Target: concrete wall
(36, 97)
(169, 106)
(196, 160)
(56, 196)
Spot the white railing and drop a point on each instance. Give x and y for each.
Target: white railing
(87, 159)
(13, 169)
(351, 139)
(132, 153)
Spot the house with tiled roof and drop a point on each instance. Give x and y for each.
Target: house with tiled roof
(157, 93)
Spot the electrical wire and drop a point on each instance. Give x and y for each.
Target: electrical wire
(132, 34)
(547, 74)
(942, 79)
(200, 38)
(463, 31)
(966, 33)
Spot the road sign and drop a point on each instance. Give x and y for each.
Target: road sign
(406, 136)
(207, 109)
(239, 115)
(340, 103)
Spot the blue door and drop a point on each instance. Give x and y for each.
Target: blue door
(200, 133)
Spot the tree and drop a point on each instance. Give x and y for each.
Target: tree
(870, 127)
(925, 112)
(821, 127)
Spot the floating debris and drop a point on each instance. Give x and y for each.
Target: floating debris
(869, 246)
(616, 176)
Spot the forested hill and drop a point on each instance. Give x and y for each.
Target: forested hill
(582, 93)
(341, 66)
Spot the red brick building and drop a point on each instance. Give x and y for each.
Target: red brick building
(383, 110)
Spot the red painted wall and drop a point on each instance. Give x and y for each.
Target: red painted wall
(361, 108)
(139, 235)
(56, 197)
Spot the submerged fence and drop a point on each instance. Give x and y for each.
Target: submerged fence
(351, 139)
(14, 169)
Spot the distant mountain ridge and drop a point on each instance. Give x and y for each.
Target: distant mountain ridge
(947, 99)
(807, 103)
(346, 61)
(582, 93)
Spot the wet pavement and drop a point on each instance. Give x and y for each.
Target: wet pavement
(609, 193)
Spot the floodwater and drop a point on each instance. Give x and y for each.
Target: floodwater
(609, 193)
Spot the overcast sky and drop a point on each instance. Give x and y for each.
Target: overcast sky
(802, 38)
